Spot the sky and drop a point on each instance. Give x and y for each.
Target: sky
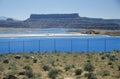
(21, 9)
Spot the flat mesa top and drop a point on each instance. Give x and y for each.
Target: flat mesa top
(43, 16)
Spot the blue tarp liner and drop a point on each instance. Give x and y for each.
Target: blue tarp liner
(63, 44)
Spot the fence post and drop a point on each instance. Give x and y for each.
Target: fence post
(54, 45)
(23, 45)
(9, 46)
(105, 45)
(87, 45)
(71, 45)
(39, 46)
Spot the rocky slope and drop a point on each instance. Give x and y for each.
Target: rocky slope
(63, 21)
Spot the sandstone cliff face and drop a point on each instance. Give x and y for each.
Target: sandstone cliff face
(63, 21)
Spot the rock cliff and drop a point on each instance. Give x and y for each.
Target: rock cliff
(63, 21)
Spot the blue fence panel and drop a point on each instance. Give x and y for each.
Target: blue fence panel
(31, 45)
(47, 45)
(4, 47)
(16, 46)
(79, 45)
(113, 44)
(97, 44)
(63, 45)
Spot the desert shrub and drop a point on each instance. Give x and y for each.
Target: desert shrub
(38, 75)
(110, 63)
(102, 53)
(52, 62)
(17, 57)
(13, 67)
(11, 73)
(31, 52)
(117, 51)
(27, 57)
(88, 61)
(60, 78)
(46, 68)
(119, 67)
(57, 59)
(88, 67)
(78, 71)
(89, 56)
(102, 57)
(29, 73)
(73, 66)
(68, 67)
(27, 67)
(34, 60)
(10, 77)
(112, 58)
(111, 66)
(6, 61)
(53, 73)
(25, 78)
(90, 76)
(104, 73)
(78, 77)
(21, 73)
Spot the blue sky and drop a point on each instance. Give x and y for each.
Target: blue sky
(21, 9)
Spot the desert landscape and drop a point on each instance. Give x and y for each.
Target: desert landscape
(60, 65)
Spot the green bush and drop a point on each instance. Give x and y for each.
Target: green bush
(10, 77)
(89, 67)
(34, 60)
(53, 73)
(119, 67)
(104, 73)
(112, 58)
(27, 57)
(103, 57)
(110, 63)
(6, 61)
(90, 76)
(46, 68)
(78, 72)
(88, 61)
(78, 77)
(13, 67)
(68, 67)
(27, 67)
(29, 73)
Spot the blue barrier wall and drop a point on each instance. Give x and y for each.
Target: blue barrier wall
(63, 44)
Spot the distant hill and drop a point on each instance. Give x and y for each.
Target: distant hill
(3, 18)
(63, 21)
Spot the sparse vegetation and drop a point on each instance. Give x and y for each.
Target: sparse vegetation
(34, 60)
(90, 76)
(89, 67)
(78, 72)
(46, 68)
(104, 73)
(119, 67)
(58, 65)
(53, 73)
